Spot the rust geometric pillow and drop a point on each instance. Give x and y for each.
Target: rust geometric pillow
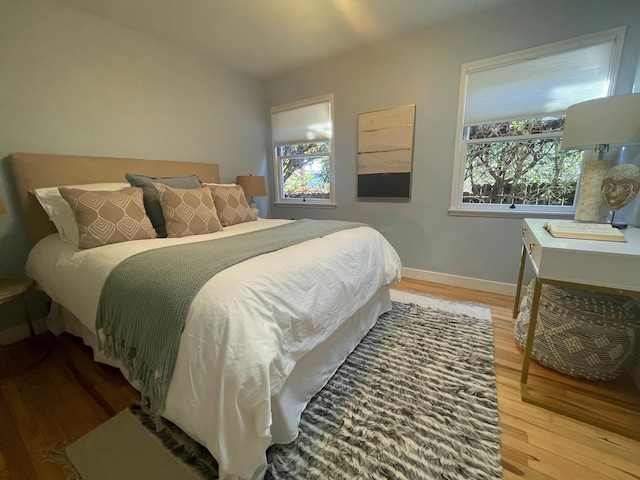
(106, 217)
(231, 204)
(187, 211)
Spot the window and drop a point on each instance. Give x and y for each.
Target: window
(511, 116)
(302, 135)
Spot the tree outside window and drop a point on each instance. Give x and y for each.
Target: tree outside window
(305, 171)
(520, 163)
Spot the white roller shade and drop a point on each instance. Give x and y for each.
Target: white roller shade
(539, 86)
(307, 123)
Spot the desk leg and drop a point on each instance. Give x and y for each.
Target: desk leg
(531, 333)
(516, 306)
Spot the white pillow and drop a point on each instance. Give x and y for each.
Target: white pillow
(60, 212)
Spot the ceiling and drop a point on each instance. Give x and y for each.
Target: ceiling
(264, 38)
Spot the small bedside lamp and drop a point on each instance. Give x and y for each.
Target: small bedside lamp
(253, 186)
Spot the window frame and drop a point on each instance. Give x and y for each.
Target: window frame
(280, 199)
(457, 206)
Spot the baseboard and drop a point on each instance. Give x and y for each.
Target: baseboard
(20, 332)
(458, 281)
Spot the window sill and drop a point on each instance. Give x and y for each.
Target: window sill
(306, 205)
(509, 214)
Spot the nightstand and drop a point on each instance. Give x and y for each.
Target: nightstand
(601, 266)
(19, 357)
(11, 289)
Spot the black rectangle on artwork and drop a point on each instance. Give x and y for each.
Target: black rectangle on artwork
(384, 185)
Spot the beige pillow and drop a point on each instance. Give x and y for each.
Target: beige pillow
(231, 205)
(187, 211)
(106, 217)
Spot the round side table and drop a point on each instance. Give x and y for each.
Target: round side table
(11, 289)
(19, 357)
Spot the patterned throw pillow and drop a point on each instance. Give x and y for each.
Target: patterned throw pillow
(231, 205)
(187, 211)
(106, 217)
(59, 211)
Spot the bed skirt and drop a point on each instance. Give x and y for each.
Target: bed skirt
(310, 374)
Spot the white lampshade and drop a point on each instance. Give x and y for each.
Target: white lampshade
(609, 121)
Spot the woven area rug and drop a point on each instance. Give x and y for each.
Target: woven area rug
(415, 400)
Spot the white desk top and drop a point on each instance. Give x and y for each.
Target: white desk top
(631, 247)
(590, 262)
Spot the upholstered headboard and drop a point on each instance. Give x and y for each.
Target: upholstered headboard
(32, 170)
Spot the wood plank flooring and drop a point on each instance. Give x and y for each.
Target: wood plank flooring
(48, 405)
(537, 443)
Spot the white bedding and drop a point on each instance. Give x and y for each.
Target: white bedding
(246, 328)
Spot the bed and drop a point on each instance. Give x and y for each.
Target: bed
(260, 338)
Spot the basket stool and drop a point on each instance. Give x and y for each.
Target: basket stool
(580, 333)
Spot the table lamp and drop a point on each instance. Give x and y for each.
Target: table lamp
(598, 125)
(603, 123)
(253, 186)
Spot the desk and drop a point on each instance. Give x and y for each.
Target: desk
(610, 267)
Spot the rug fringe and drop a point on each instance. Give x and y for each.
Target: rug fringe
(58, 454)
(444, 299)
(441, 303)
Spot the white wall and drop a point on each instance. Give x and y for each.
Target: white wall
(424, 69)
(73, 83)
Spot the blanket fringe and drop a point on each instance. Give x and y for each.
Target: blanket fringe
(153, 389)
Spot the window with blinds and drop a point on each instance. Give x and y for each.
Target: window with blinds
(510, 121)
(302, 135)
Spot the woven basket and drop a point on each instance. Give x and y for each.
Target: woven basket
(580, 333)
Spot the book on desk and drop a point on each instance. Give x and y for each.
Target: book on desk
(585, 231)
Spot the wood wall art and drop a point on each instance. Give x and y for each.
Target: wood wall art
(385, 152)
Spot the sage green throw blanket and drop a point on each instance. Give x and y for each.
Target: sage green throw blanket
(146, 298)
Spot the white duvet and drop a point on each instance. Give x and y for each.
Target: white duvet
(246, 328)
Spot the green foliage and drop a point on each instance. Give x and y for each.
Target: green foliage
(533, 171)
(306, 169)
(530, 126)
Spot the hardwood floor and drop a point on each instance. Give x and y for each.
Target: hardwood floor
(48, 405)
(537, 443)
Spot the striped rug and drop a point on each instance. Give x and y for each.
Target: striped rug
(415, 400)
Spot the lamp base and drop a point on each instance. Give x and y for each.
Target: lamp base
(254, 208)
(619, 226)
